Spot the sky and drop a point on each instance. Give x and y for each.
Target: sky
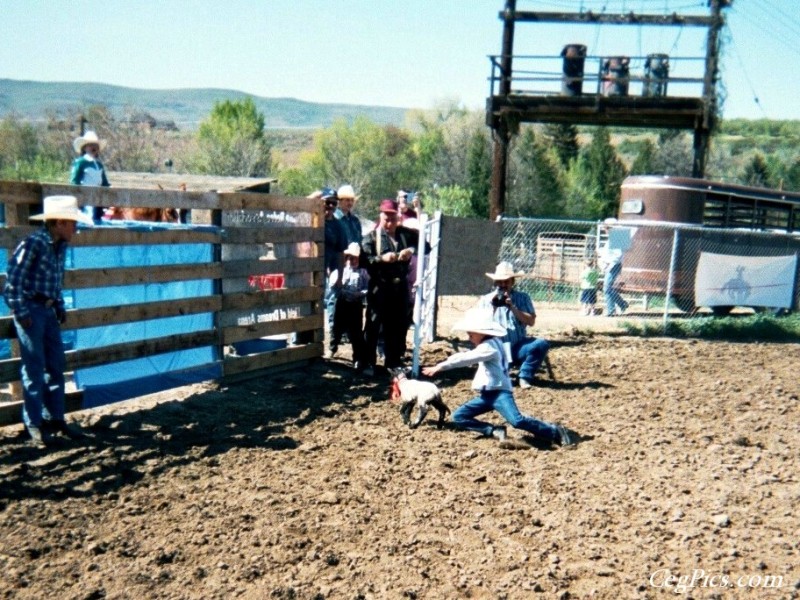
(402, 53)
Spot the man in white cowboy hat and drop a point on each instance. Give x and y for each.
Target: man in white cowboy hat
(350, 222)
(87, 168)
(33, 293)
(493, 384)
(513, 310)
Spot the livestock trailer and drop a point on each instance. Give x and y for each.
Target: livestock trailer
(686, 232)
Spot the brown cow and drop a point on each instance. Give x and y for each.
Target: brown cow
(158, 215)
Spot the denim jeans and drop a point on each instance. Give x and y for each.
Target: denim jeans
(43, 363)
(503, 402)
(529, 354)
(610, 292)
(329, 302)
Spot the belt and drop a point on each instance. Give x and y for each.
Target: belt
(43, 300)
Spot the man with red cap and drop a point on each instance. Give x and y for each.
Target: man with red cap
(386, 253)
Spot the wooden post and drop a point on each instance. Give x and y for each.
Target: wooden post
(500, 131)
(497, 200)
(703, 130)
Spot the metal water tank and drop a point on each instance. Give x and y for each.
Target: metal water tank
(574, 56)
(614, 76)
(656, 75)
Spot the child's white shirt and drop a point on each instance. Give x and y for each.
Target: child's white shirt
(490, 356)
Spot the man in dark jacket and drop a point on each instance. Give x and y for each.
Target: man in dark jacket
(386, 253)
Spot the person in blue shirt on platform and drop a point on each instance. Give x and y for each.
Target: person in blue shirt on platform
(87, 168)
(514, 311)
(33, 293)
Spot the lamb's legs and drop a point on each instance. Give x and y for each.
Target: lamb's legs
(443, 411)
(405, 411)
(423, 410)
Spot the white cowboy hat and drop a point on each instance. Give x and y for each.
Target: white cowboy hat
(353, 249)
(62, 207)
(346, 191)
(90, 137)
(503, 271)
(479, 320)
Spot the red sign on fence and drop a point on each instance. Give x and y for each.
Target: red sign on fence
(273, 281)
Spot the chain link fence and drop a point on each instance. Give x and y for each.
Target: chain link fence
(667, 269)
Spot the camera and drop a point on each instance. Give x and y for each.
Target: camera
(499, 298)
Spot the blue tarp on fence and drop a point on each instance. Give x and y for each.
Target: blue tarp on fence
(127, 379)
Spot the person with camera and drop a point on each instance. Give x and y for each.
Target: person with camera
(513, 310)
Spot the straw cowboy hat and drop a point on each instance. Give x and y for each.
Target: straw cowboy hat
(62, 207)
(479, 320)
(503, 271)
(90, 137)
(346, 191)
(353, 249)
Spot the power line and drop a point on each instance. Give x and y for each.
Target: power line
(745, 75)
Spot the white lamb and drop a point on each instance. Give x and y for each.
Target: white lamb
(422, 394)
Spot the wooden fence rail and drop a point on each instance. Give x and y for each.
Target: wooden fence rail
(250, 235)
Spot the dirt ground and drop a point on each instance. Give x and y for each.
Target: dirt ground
(306, 485)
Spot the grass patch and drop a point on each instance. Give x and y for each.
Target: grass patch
(745, 328)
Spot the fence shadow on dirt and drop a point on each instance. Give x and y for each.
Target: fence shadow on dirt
(124, 446)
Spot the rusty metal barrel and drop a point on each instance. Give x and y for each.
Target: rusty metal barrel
(656, 74)
(574, 56)
(615, 76)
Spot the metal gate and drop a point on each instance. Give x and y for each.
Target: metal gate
(425, 295)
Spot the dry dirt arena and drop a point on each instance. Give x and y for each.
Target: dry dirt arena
(306, 485)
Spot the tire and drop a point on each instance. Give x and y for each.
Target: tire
(721, 311)
(685, 303)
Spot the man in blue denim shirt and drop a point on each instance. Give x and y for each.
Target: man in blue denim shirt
(335, 245)
(33, 293)
(514, 311)
(350, 222)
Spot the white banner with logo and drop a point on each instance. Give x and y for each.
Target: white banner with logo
(725, 280)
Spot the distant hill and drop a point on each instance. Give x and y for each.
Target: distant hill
(37, 100)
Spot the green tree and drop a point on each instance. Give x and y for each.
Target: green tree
(595, 179)
(564, 138)
(25, 155)
(790, 176)
(536, 189)
(644, 163)
(452, 200)
(448, 135)
(232, 141)
(756, 172)
(376, 160)
(479, 173)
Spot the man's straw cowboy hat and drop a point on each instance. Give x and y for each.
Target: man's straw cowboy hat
(62, 207)
(503, 271)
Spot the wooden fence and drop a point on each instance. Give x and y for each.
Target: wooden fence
(258, 241)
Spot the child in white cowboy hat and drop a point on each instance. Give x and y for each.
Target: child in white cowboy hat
(349, 315)
(493, 384)
(513, 310)
(87, 168)
(33, 293)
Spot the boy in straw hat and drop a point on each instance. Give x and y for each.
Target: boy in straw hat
(493, 384)
(33, 293)
(349, 315)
